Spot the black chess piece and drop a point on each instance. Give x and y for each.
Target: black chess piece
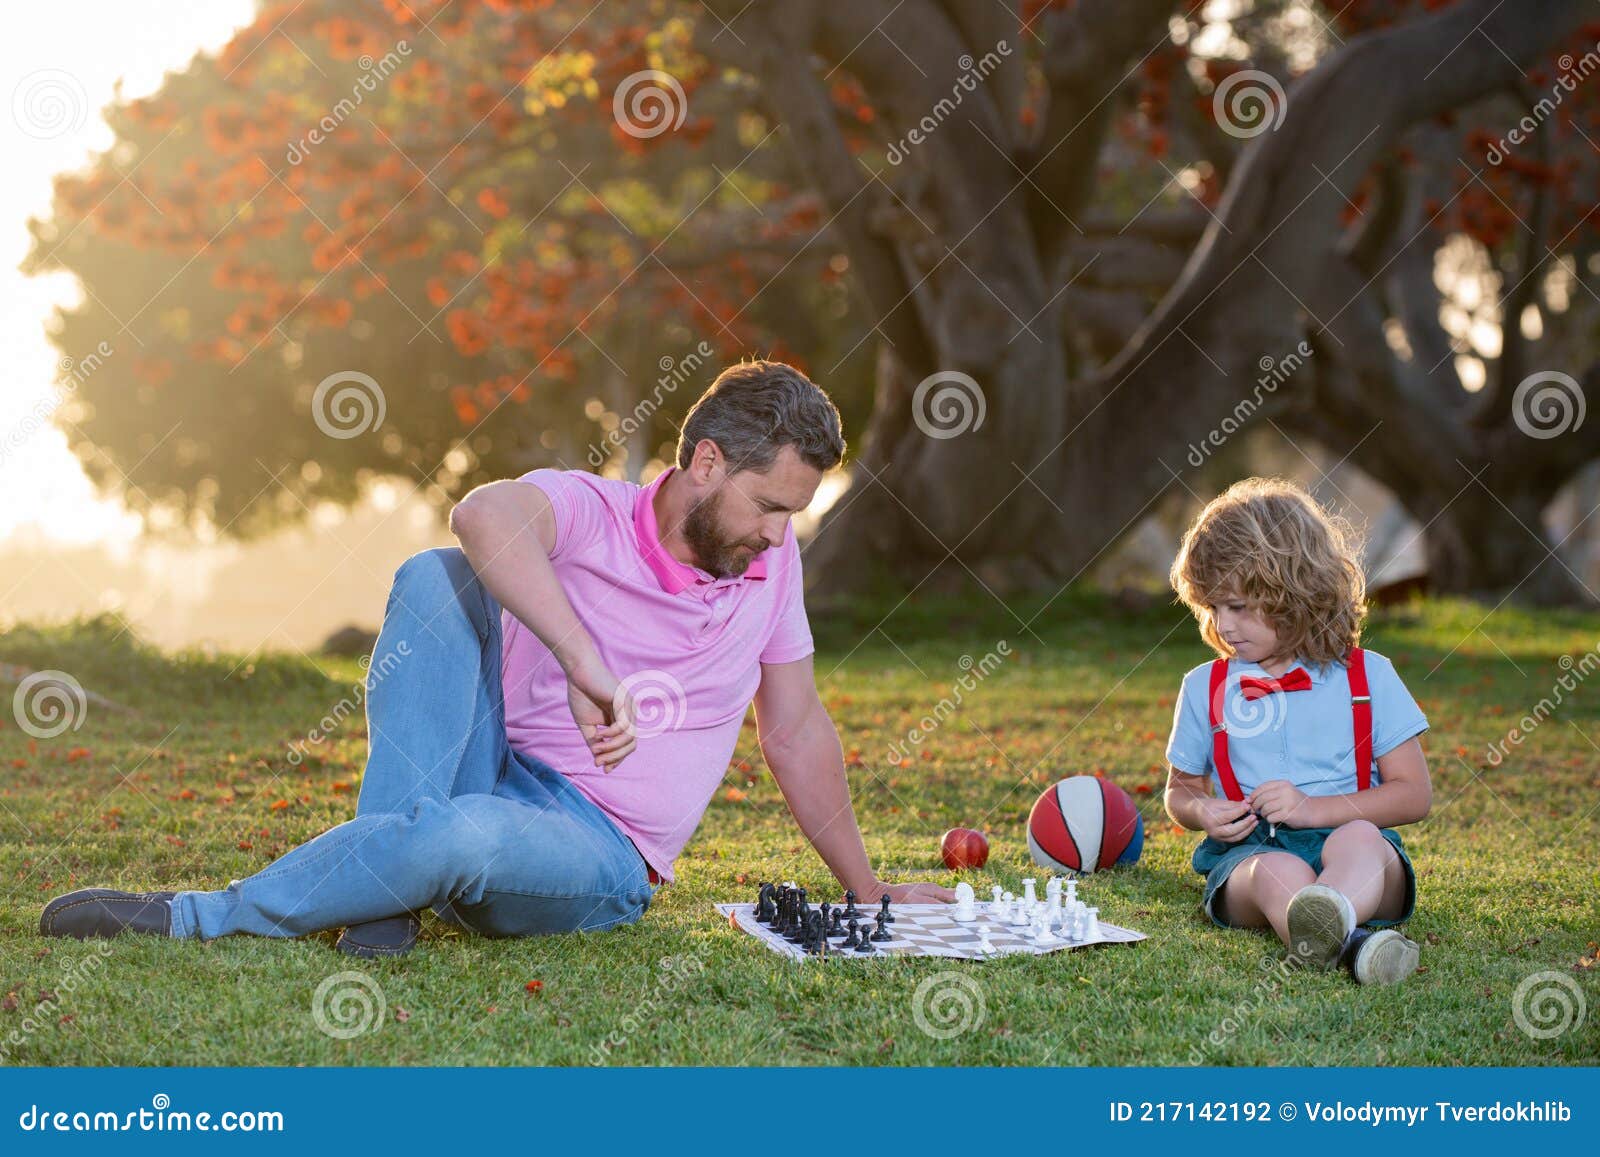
(835, 927)
(865, 944)
(888, 916)
(883, 929)
(827, 917)
(850, 908)
(852, 938)
(765, 908)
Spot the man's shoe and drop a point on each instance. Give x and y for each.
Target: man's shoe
(1320, 922)
(1382, 957)
(392, 936)
(105, 912)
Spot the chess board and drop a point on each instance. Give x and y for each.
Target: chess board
(928, 930)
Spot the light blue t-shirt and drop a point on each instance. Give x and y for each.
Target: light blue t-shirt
(1306, 737)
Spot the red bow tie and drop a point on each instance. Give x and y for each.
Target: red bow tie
(1253, 688)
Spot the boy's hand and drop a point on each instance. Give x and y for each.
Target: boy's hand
(1227, 821)
(1280, 802)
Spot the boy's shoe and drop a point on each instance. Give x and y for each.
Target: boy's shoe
(105, 912)
(391, 936)
(1384, 956)
(1320, 921)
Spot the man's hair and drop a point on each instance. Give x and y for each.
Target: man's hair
(1267, 541)
(756, 408)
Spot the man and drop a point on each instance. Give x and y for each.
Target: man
(551, 707)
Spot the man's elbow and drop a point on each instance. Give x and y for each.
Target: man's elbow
(462, 515)
(470, 516)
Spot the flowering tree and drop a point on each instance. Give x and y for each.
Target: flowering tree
(1050, 259)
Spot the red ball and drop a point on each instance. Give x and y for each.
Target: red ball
(963, 848)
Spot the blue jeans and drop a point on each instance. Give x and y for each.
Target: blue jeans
(449, 815)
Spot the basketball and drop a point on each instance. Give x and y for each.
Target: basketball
(1084, 824)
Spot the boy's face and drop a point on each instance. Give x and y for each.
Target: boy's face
(1243, 628)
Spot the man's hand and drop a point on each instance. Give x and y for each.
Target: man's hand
(603, 713)
(906, 893)
(1227, 821)
(1280, 802)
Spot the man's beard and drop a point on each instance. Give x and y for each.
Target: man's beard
(713, 552)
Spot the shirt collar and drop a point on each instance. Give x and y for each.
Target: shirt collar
(675, 577)
(1319, 672)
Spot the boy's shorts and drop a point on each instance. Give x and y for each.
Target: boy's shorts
(1215, 861)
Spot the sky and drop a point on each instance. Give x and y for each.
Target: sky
(59, 65)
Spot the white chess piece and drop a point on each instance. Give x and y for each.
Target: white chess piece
(1007, 904)
(1093, 930)
(985, 945)
(997, 892)
(965, 909)
(1019, 912)
(1030, 897)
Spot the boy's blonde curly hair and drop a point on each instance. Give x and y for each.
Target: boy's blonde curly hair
(1268, 541)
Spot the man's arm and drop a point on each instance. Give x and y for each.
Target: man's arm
(507, 530)
(801, 747)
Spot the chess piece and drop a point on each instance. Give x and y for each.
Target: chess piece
(1030, 898)
(965, 910)
(850, 909)
(1092, 932)
(997, 892)
(865, 944)
(883, 928)
(888, 916)
(853, 937)
(835, 928)
(985, 945)
(766, 910)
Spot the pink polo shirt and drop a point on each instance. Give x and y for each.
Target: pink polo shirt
(689, 646)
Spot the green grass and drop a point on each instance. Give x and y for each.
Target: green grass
(182, 795)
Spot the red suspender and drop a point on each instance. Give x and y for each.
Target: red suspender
(1219, 731)
(1361, 710)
